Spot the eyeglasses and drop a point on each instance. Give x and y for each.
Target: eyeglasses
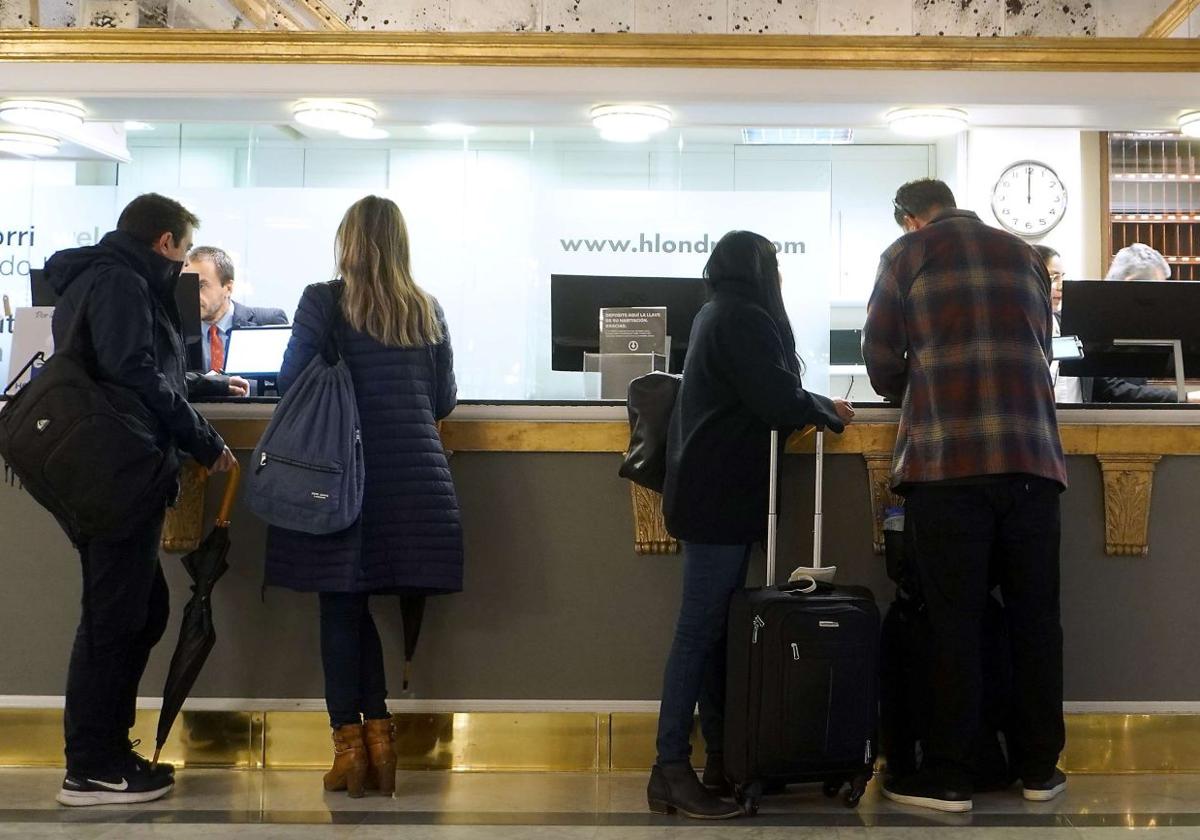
(900, 208)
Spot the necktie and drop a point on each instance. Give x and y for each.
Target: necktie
(216, 349)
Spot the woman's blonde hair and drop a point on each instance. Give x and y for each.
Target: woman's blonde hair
(382, 299)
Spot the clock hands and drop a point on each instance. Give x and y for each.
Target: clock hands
(1029, 185)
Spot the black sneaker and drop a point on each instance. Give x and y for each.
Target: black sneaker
(924, 791)
(131, 782)
(1046, 790)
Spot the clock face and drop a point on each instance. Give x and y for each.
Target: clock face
(1029, 199)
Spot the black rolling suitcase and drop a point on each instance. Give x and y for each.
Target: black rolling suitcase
(802, 696)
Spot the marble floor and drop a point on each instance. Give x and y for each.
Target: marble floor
(283, 804)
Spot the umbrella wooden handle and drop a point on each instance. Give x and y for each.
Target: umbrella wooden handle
(231, 491)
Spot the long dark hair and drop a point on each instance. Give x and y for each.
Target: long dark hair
(746, 263)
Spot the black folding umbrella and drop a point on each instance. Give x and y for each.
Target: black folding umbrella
(412, 612)
(196, 634)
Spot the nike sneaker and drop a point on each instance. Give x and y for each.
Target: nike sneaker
(130, 782)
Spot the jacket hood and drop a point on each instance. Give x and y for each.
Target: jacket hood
(116, 249)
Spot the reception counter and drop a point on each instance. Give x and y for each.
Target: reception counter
(562, 615)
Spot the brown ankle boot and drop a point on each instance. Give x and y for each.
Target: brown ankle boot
(381, 755)
(349, 771)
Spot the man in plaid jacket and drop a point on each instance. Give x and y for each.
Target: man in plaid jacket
(958, 332)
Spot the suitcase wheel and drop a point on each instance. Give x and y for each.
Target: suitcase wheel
(858, 786)
(749, 796)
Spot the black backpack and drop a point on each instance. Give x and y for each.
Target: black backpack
(84, 448)
(651, 401)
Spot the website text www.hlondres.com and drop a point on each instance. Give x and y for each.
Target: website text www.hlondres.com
(658, 244)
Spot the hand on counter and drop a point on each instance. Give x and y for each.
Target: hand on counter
(845, 411)
(238, 387)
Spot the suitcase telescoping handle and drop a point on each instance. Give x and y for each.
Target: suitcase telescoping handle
(773, 501)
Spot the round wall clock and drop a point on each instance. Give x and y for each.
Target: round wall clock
(1029, 199)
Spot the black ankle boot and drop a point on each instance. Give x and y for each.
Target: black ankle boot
(714, 775)
(674, 787)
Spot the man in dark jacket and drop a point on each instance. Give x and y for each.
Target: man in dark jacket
(122, 291)
(958, 331)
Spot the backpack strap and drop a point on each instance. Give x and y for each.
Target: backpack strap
(331, 345)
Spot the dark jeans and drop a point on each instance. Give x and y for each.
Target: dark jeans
(352, 656)
(956, 533)
(696, 666)
(125, 610)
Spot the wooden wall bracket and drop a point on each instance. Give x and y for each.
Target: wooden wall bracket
(649, 531)
(1128, 482)
(184, 526)
(879, 482)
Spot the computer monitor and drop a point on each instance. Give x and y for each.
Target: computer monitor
(187, 298)
(576, 301)
(256, 352)
(1103, 311)
(41, 292)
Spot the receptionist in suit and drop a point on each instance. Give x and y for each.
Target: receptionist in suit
(219, 312)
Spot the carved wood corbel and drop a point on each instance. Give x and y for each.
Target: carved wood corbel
(1128, 481)
(649, 531)
(184, 525)
(879, 478)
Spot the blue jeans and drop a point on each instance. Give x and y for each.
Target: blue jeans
(696, 666)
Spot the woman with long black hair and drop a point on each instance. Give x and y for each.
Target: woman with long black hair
(741, 378)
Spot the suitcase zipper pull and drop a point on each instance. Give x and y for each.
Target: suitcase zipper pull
(795, 651)
(758, 622)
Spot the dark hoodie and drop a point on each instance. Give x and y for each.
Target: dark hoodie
(131, 331)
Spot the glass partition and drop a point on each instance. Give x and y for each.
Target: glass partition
(492, 214)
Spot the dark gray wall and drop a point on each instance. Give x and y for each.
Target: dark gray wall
(558, 606)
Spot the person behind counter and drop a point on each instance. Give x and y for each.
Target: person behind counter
(1143, 263)
(741, 378)
(958, 331)
(125, 288)
(1067, 389)
(408, 540)
(219, 312)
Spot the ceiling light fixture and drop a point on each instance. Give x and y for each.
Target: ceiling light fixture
(927, 122)
(1189, 123)
(335, 115)
(27, 143)
(138, 125)
(630, 123)
(45, 114)
(451, 129)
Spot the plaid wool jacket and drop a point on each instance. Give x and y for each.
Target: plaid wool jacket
(958, 331)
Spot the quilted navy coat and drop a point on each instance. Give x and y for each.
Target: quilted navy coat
(409, 537)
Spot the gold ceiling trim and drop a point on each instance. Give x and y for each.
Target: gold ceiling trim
(1172, 17)
(602, 50)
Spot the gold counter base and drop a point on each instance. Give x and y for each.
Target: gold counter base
(537, 741)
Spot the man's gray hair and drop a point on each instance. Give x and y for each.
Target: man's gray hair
(1138, 262)
(220, 260)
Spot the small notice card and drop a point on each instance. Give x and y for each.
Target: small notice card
(633, 329)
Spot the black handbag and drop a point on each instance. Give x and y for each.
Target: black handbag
(651, 401)
(85, 449)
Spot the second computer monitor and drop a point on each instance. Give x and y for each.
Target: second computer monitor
(576, 301)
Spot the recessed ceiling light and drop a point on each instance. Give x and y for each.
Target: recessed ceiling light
(1189, 124)
(927, 122)
(335, 115)
(27, 143)
(369, 134)
(138, 125)
(451, 129)
(630, 123)
(43, 113)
